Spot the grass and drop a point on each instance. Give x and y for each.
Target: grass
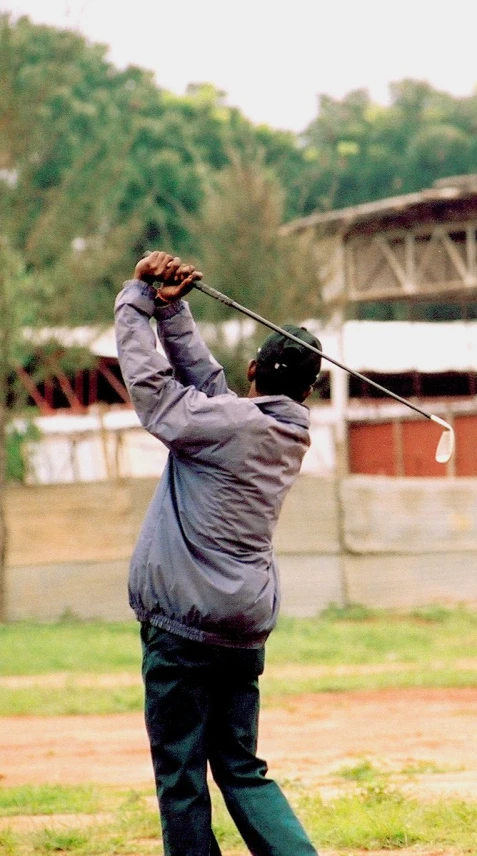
(355, 648)
(374, 816)
(73, 646)
(275, 689)
(334, 652)
(382, 818)
(355, 635)
(49, 799)
(363, 636)
(69, 699)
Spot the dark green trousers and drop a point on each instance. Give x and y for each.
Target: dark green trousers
(201, 706)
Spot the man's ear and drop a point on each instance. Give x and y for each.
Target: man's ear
(251, 371)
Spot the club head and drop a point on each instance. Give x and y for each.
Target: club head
(445, 447)
(446, 444)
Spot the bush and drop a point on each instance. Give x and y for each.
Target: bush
(17, 436)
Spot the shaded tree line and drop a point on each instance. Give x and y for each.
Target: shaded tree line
(364, 151)
(98, 164)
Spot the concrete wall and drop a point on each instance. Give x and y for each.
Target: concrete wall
(410, 541)
(375, 541)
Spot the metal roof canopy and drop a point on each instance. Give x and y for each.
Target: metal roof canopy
(416, 246)
(373, 346)
(397, 347)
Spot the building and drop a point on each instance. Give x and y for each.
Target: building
(408, 251)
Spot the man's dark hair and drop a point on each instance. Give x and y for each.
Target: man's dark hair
(286, 368)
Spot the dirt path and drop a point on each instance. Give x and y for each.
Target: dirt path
(431, 734)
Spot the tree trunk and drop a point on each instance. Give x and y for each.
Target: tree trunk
(3, 522)
(4, 361)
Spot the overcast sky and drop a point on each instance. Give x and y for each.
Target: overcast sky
(274, 57)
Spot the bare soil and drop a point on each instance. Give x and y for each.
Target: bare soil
(426, 738)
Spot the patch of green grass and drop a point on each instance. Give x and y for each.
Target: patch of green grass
(434, 613)
(419, 649)
(376, 815)
(140, 824)
(9, 844)
(79, 700)
(60, 841)
(275, 689)
(49, 799)
(70, 700)
(69, 646)
(353, 612)
(339, 635)
(380, 817)
(363, 771)
(373, 778)
(425, 768)
(357, 635)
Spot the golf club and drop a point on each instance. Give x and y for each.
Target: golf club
(445, 447)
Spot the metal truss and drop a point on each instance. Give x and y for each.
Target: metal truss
(419, 262)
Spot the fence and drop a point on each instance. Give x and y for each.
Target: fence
(379, 541)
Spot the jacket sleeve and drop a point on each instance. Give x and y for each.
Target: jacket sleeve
(183, 417)
(188, 354)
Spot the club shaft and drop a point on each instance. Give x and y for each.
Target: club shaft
(223, 298)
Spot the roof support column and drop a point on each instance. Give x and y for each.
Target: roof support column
(339, 378)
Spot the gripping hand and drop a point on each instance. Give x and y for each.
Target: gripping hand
(172, 278)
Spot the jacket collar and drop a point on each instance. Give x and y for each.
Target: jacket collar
(284, 409)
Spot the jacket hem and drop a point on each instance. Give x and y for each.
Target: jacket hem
(195, 634)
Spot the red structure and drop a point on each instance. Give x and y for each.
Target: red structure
(401, 448)
(101, 383)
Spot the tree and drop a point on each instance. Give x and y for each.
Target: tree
(364, 151)
(13, 299)
(243, 253)
(47, 203)
(91, 168)
(101, 163)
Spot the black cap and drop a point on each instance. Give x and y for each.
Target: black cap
(284, 366)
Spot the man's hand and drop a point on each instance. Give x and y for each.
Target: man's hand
(173, 278)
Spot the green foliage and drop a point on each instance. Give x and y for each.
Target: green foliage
(365, 152)
(15, 458)
(435, 614)
(276, 687)
(17, 436)
(88, 695)
(243, 252)
(98, 164)
(353, 612)
(383, 636)
(234, 359)
(367, 819)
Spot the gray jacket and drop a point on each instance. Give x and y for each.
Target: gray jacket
(203, 566)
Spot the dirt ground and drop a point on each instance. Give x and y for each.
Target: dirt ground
(427, 738)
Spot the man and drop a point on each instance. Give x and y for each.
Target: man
(203, 579)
